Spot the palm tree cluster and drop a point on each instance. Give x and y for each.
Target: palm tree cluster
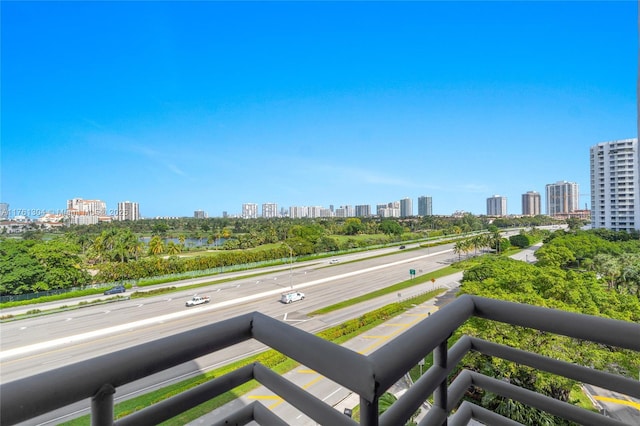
(478, 243)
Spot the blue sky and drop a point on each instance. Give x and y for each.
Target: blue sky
(182, 106)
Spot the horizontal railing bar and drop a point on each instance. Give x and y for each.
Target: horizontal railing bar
(543, 402)
(467, 411)
(622, 334)
(580, 373)
(171, 407)
(344, 366)
(304, 401)
(29, 397)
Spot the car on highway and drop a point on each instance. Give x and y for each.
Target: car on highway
(402, 247)
(292, 296)
(332, 261)
(197, 300)
(115, 290)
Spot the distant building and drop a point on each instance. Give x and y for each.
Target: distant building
(249, 211)
(406, 207)
(128, 210)
(200, 214)
(349, 211)
(562, 198)
(79, 206)
(497, 206)
(314, 211)
(269, 210)
(340, 212)
(531, 203)
(424, 206)
(363, 210)
(297, 212)
(86, 212)
(615, 185)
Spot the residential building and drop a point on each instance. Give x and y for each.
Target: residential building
(406, 207)
(340, 212)
(531, 203)
(363, 210)
(86, 212)
(615, 185)
(249, 211)
(562, 198)
(314, 211)
(497, 206)
(269, 210)
(128, 210)
(200, 214)
(79, 206)
(297, 212)
(424, 206)
(349, 211)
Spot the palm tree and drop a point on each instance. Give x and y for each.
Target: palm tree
(458, 248)
(385, 401)
(173, 248)
(156, 245)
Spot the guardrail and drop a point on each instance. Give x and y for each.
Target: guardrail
(368, 376)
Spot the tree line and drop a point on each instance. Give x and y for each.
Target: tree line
(85, 254)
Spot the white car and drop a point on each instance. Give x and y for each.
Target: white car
(292, 296)
(332, 261)
(197, 300)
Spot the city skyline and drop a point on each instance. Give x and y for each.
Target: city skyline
(210, 105)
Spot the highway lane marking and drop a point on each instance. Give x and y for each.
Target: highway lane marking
(632, 404)
(149, 321)
(384, 338)
(278, 400)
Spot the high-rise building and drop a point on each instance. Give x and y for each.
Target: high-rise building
(497, 206)
(128, 211)
(563, 198)
(406, 207)
(81, 207)
(615, 185)
(363, 210)
(424, 206)
(531, 203)
(200, 214)
(269, 210)
(86, 212)
(249, 211)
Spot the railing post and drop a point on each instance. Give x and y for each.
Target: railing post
(368, 412)
(102, 406)
(440, 394)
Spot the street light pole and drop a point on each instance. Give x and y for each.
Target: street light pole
(290, 267)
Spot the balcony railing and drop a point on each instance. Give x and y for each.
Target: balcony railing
(369, 376)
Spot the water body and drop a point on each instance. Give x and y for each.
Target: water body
(189, 242)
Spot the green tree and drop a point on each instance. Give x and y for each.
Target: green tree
(156, 245)
(390, 227)
(352, 226)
